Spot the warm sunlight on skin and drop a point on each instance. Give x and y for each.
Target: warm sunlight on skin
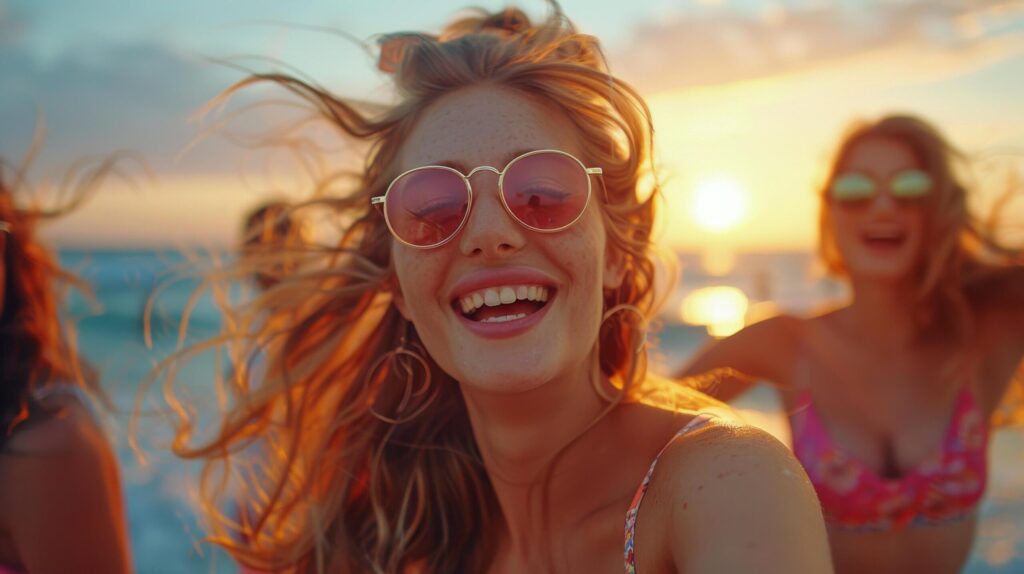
(722, 310)
(720, 203)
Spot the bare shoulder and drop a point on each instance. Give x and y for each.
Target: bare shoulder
(726, 449)
(67, 426)
(60, 488)
(63, 450)
(735, 499)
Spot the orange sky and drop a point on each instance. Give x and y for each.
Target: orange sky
(769, 135)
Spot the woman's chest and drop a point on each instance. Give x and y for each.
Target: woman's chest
(891, 415)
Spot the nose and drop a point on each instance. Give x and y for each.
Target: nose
(490, 230)
(884, 201)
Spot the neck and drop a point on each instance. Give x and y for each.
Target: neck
(520, 436)
(885, 310)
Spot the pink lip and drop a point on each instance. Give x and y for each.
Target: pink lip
(484, 278)
(884, 247)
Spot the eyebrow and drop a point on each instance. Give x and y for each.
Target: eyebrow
(464, 169)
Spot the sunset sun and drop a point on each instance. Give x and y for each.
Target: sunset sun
(720, 203)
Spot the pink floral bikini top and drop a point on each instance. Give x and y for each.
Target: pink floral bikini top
(945, 486)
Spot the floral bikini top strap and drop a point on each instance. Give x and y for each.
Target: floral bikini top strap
(695, 423)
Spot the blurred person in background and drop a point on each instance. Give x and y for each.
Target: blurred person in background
(273, 228)
(891, 398)
(61, 507)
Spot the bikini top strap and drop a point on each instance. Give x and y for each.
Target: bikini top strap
(699, 421)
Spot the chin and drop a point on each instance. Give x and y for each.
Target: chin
(503, 380)
(881, 270)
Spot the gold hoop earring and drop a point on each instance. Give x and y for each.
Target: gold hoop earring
(642, 323)
(637, 350)
(411, 392)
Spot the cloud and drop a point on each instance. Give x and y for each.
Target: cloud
(137, 97)
(14, 23)
(716, 45)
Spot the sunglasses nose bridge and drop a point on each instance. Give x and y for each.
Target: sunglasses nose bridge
(476, 170)
(884, 199)
(483, 168)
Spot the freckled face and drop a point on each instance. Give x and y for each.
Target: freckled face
(488, 126)
(879, 238)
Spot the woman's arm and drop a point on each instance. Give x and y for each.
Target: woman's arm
(999, 303)
(60, 497)
(762, 351)
(740, 502)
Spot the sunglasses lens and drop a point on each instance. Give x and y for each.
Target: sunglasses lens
(852, 187)
(912, 183)
(427, 206)
(546, 191)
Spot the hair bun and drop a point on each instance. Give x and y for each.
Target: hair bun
(511, 20)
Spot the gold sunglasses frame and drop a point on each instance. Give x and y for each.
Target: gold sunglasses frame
(380, 200)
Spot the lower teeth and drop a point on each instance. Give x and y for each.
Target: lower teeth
(503, 318)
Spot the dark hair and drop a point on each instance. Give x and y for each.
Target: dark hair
(39, 349)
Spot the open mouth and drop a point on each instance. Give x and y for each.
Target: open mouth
(885, 239)
(503, 304)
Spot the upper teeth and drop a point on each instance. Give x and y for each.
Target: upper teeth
(494, 296)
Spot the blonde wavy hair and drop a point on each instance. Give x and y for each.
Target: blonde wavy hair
(334, 485)
(964, 263)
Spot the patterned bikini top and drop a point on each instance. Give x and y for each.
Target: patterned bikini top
(630, 558)
(945, 486)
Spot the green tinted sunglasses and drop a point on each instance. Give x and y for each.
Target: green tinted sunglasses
(856, 186)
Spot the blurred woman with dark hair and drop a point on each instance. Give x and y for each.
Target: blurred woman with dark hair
(61, 507)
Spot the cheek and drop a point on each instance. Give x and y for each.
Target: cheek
(583, 255)
(917, 225)
(417, 275)
(843, 226)
(919, 232)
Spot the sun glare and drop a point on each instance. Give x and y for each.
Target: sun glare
(721, 309)
(720, 203)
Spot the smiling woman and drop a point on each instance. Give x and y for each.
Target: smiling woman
(891, 397)
(459, 384)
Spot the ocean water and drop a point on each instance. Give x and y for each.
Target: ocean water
(165, 534)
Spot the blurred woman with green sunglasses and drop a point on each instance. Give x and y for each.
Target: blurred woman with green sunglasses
(891, 397)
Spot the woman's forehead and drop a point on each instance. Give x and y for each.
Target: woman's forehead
(881, 155)
(484, 126)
